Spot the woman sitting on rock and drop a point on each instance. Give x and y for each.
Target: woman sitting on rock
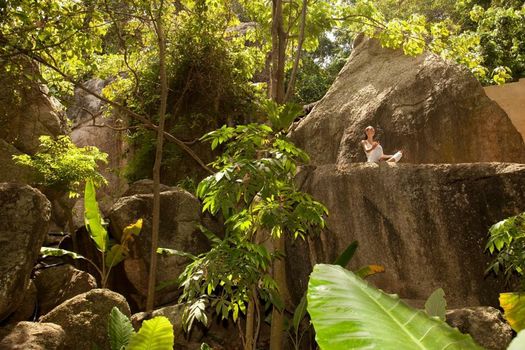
(374, 151)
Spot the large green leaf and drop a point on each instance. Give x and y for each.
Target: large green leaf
(514, 306)
(93, 219)
(48, 251)
(119, 329)
(347, 313)
(115, 255)
(130, 231)
(155, 334)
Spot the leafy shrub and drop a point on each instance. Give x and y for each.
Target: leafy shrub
(60, 165)
(507, 241)
(112, 253)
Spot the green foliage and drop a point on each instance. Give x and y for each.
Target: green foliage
(69, 33)
(281, 117)
(222, 279)
(120, 329)
(499, 25)
(347, 313)
(112, 253)
(514, 306)
(93, 218)
(49, 251)
(60, 165)
(436, 305)
(254, 186)
(342, 260)
(481, 48)
(507, 241)
(255, 192)
(154, 334)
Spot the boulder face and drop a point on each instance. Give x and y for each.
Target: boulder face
(84, 318)
(32, 336)
(486, 325)
(59, 283)
(426, 224)
(179, 217)
(25, 220)
(27, 111)
(435, 111)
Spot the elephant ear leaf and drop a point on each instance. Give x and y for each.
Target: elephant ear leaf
(155, 334)
(514, 306)
(93, 218)
(348, 313)
(119, 329)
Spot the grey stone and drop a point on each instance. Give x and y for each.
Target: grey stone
(426, 224)
(180, 215)
(485, 324)
(32, 336)
(84, 318)
(59, 283)
(25, 214)
(27, 308)
(436, 111)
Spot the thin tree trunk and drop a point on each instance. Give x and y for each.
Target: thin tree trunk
(277, 327)
(250, 322)
(158, 160)
(293, 75)
(278, 53)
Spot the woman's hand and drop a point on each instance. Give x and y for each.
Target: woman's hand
(368, 150)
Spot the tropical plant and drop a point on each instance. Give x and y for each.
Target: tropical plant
(111, 253)
(343, 260)
(507, 241)
(255, 192)
(154, 334)
(62, 166)
(348, 313)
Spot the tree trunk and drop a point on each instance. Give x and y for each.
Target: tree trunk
(250, 323)
(293, 75)
(279, 274)
(158, 160)
(278, 53)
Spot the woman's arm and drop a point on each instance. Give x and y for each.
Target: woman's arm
(368, 150)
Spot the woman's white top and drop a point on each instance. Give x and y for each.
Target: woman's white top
(374, 155)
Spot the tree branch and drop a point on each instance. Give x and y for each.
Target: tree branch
(144, 120)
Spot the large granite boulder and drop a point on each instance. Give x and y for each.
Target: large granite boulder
(25, 219)
(27, 111)
(32, 336)
(426, 224)
(485, 324)
(28, 307)
(57, 284)
(436, 111)
(179, 219)
(84, 318)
